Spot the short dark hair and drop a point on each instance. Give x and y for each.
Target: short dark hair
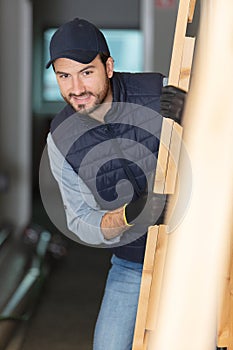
(104, 57)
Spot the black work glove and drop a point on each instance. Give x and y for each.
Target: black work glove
(148, 209)
(172, 102)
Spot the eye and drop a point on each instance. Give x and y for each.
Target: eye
(87, 73)
(63, 75)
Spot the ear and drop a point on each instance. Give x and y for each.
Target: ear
(109, 67)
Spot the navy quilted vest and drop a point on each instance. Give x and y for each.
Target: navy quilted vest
(117, 159)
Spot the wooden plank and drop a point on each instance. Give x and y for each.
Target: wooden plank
(192, 5)
(196, 249)
(161, 170)
(186, 64)
(147, 272)
(178, 45)
(173, 159)
(224, 334)
(223, 331)
(231, 301)
(180, 67)
(146, 339)
(159, 263)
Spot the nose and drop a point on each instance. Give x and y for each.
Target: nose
(78, 86)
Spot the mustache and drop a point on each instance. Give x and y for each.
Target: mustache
(85, 93)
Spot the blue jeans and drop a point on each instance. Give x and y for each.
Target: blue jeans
(115, 324)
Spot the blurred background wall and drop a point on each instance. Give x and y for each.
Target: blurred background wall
(23, 126)
(25, 116)
(16, 27)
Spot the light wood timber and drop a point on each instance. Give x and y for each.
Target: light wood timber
(186, 64)
(225, 327)
(191, 10)
(155, 291)
(163, 156)
(178, 43)
(165, 178)
(148, 267)
(199, 256)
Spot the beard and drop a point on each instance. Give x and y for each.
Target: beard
(99, 98)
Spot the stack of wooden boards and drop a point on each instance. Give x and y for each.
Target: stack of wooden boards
(166, 182)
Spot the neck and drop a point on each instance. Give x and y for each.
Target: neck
(100, 112)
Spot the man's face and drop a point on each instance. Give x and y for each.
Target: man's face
(84, 86)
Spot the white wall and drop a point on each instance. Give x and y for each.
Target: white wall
(15, 110)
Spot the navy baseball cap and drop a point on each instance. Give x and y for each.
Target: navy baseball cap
(78, 40)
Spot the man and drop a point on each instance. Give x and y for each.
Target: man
(103, 148)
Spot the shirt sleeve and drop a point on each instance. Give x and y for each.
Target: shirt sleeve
(83, 214)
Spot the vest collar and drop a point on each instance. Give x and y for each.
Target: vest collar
(118, 88)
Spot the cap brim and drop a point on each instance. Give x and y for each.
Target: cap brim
(76, 55)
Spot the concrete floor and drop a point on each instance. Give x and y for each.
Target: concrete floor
(65, 315)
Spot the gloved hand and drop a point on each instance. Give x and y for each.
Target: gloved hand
(148, 209)
(172, 102)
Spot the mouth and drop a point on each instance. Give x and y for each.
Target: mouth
(81, 99)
